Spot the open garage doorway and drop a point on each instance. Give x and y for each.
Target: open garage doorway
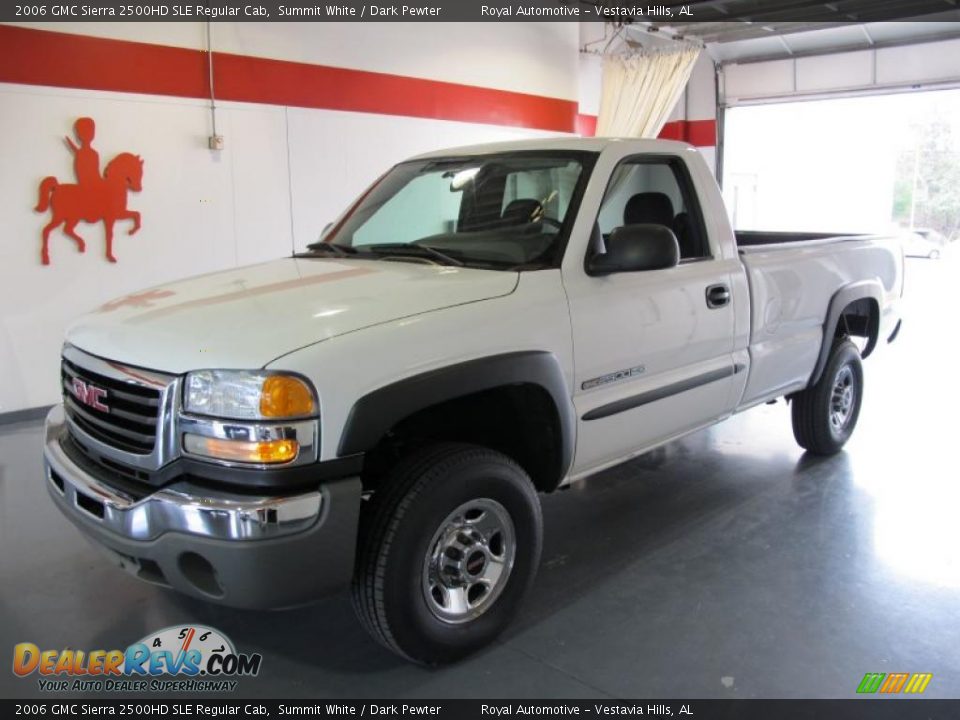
(877, 163)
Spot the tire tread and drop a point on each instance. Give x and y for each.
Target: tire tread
(380, 522)
(810, 408)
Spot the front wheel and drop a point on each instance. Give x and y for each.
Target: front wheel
(825, 414)
(449, 547)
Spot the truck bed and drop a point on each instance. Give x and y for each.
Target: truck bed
(792, 278)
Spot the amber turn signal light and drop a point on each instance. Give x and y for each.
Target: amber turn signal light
(265, 452)
(284, 396)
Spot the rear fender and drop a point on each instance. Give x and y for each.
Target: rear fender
(841, 300)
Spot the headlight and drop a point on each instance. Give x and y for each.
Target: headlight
(247, 395)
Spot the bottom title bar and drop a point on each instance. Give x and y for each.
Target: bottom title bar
(468, 709)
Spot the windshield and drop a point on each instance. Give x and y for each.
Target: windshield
(491, 211)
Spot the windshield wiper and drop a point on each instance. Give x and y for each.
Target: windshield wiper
(413, 250)
(334, 248)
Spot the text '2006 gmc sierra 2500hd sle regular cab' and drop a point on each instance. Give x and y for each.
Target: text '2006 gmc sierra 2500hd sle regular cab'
(480, 326)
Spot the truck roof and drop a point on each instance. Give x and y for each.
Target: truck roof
(592, 144)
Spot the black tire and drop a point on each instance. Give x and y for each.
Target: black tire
(390, 593)
(814, 426)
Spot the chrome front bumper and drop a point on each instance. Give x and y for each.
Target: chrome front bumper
(176, 508)
(237, 549)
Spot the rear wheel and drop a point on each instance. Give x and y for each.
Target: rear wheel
(449, 547)
(825, 414)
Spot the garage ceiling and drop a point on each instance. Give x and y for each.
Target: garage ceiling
(745, 30)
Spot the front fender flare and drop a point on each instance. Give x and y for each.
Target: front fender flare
(374, 414)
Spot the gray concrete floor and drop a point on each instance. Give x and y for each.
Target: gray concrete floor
(726, 565)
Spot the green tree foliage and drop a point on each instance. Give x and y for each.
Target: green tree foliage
(928, 178)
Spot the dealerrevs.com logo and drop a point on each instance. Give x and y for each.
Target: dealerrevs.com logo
(190, 658)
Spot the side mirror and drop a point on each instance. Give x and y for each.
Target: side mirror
(326, 229)
(631, 248)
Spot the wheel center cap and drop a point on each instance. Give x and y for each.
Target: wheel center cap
(476, 563)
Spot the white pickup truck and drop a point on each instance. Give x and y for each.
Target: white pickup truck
(482, 325)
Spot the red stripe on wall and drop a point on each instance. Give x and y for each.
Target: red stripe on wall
(587, 125)
(702, 133)
(279, 82)
(41, 57)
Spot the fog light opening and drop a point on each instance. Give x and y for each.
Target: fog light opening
(57, 481)
(91, 506)
(200, 573)
(149, 571)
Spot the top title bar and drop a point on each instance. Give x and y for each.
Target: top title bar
(465, 11)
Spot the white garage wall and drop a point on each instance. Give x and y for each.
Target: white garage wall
(284, 173)
(593, 37)
(698, 105)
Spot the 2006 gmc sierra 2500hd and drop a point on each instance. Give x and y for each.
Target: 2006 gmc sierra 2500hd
(481, 325)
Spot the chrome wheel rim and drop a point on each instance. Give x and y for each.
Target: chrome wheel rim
(843, 397)
(468, 561)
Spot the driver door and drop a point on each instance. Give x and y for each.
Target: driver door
(652, 350)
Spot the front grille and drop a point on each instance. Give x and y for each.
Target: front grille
(130, 421)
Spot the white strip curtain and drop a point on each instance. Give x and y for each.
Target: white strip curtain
(640, 90)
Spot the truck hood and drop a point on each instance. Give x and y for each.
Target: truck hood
(246, 317)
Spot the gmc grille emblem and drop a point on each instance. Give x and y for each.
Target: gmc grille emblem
(89, 394)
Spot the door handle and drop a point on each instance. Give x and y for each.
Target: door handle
(717, 296)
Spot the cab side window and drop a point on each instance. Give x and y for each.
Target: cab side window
(659, 192)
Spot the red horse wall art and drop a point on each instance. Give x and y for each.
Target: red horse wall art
(93, 198)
